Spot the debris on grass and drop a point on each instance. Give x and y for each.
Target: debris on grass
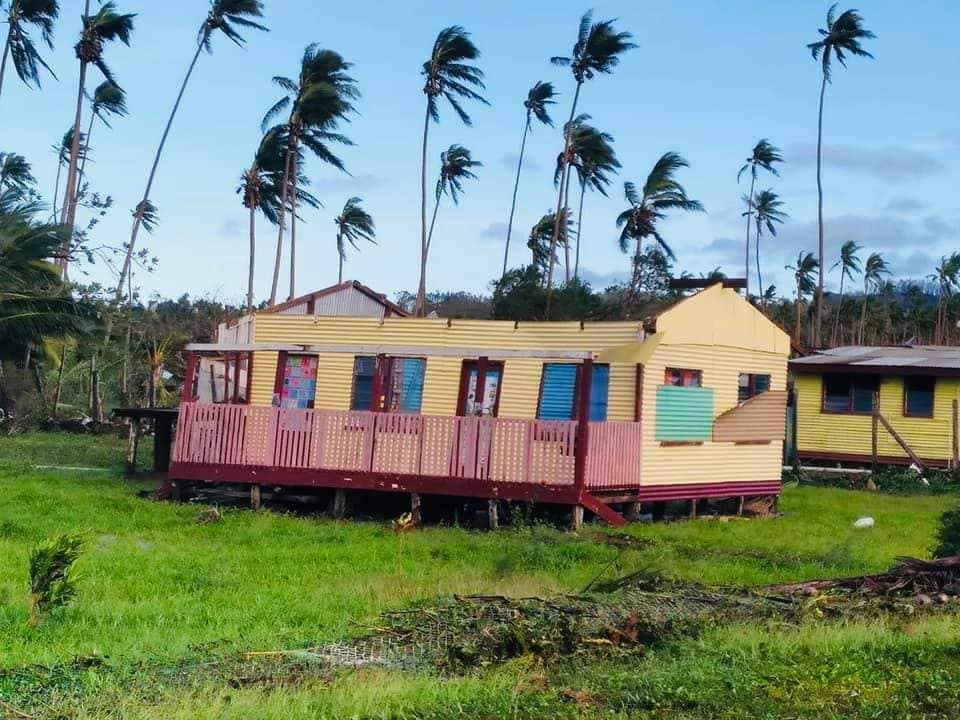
(863, 523)
(208, 516)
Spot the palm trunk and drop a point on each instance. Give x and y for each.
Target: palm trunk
(746, 263)
(863, 315)
(56, 187)
(516, 187)
(563, 175)
(294, 173)
(253, 250)
(756, 255)
(6, 53)
(283, 209)
(566, 238)
(576, 262)
(796, 328)
(83, 163)
(836, 323)
(420, 306)
(433, 222)
(59, 388)
(819, 313)
(340, 256)
(69, 213)
(138, 216)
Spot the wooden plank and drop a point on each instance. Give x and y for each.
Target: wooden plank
(900, 441)
(955, 439)
(874, 439)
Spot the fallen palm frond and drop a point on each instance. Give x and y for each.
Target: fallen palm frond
(52, 583)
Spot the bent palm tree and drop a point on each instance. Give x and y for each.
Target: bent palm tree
(353, 224)
(841, 36)
(456, 165)
(63, 160)
(596, 51)
(874, 271)
(448, 73)
(225, 16)
(594, 158)
(763, 157)
(16, 174)
(803, 272)
(321, 96)
(661, 192)
(106, 25)
(767, 214)
(539, 96)
(19, 46)
(538, 242)
(947, 277)
(849, 264)
(108, 99)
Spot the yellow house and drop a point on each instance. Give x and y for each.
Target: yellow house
(865, 404)
(686, 405)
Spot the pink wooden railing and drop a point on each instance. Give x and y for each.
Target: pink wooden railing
(613, 460)
(490, 449)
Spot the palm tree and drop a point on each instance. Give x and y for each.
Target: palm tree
(767, 214)
(106, 25)
(353, 224)
(321, 96)
(947, 277)
(260, 189)
(841, 36)
(226, 16)
(596, 51)
(63, 160)
(803, 271)
(16, 174)
(539, 96)
(593, 157)
(874, 271)
(26, 59)
(447, 73)
(108, 99)
(456, 165)
(763, 157)
(538, 242)
(661, 192)
(34, 304)
(849, 264)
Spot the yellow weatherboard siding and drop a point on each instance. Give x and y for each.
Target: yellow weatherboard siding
(710, 462)
(264, 377)
(929, 438)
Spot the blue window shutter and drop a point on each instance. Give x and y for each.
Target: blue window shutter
(556, 394)
(411, 397)
(599, 389)
(364, 369)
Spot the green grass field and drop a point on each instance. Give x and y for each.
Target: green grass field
(166, 608)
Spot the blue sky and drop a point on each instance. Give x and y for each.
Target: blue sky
(708, 80)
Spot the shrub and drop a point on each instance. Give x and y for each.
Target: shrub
(948, 534)
(52, 581)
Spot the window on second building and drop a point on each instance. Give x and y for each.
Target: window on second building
(750, 385)
(364, 372)
(918, 394)
(560, 387)
(849, 393)
(682, 377)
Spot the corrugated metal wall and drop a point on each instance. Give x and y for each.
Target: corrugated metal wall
(299, 309)
(349, 301)
(684, 413)
(835, 433)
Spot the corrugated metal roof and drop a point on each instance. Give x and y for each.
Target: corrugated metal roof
(928, 357)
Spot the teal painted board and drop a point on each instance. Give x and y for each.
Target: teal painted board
(684, 413)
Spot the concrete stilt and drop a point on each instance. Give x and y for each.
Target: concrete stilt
(493, 515)
(577, 520)
(339, 503)
(255, 497)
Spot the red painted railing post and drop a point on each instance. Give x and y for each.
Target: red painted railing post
(189, 377)
(583, 426)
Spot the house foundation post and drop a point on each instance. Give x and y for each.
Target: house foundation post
(255, 497)
(493, 514)
(415, 512)
(339, 504)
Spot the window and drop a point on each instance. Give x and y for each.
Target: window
(404, 387)
(222, 379)
(679, 377)
(296, 383)
(559, 391)
(400, 384)
(751, 385)
(918, 393)
(849, 393)
(364, 372)
(480, 396)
